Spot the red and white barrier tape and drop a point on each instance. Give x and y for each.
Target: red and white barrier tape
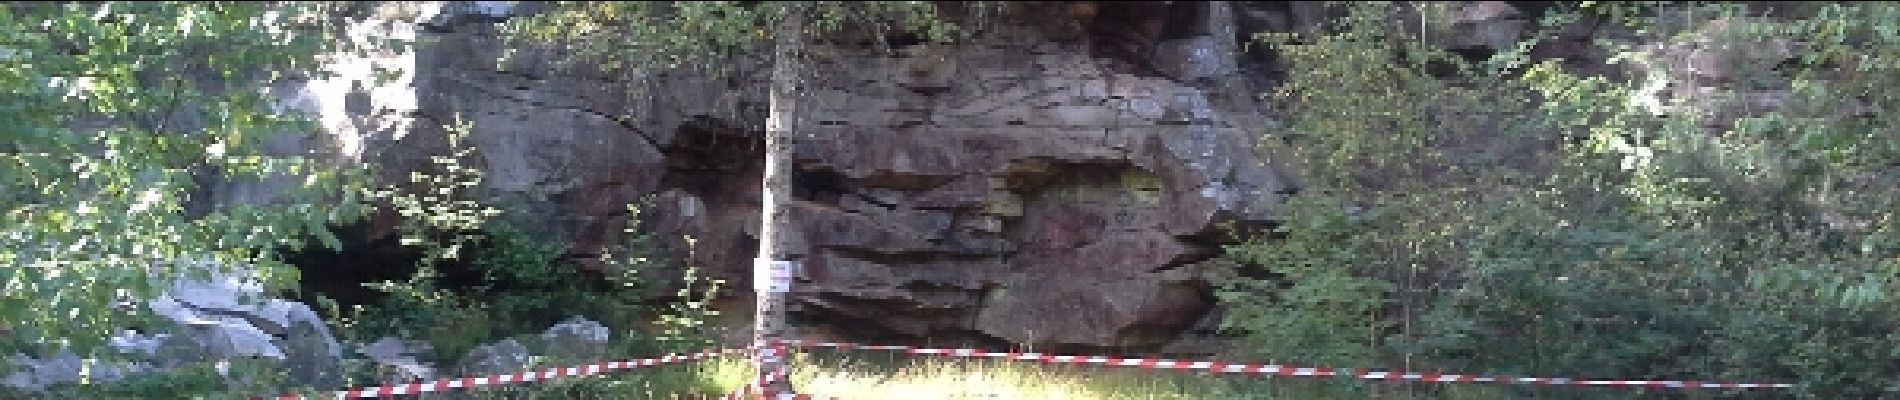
(1287, 370)
(746, 393)
(751, 391)
(519, 377)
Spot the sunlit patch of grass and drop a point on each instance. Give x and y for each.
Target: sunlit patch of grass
(889, 376)
(886, 376)
(695, 380)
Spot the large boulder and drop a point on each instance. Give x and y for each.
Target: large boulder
(399, 360)
(30, 373)
(211, 313)
(576, 339)
(503, 357)
(223, 314)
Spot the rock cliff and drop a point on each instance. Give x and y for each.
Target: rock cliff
(1067, 180)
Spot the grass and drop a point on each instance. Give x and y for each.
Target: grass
(889, 376)
(884, 376)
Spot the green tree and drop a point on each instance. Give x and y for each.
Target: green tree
(117, 114)
(1529, 218)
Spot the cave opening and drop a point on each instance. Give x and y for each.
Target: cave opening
(707, 155)
(367, 255)
(371, 253)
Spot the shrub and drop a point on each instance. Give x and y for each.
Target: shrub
(1530, 219)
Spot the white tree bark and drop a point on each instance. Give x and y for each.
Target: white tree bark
(769, 320)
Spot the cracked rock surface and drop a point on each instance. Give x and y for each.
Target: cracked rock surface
(1014, 190)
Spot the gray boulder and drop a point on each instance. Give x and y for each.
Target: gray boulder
(576, 339)
(505, 356)
(34, 374)
(224, 316)
(399, 359)
(215, 313)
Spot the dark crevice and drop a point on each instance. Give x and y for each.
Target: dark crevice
(823, 186)
(874, 200)
(825, 313)
(1199, 252)
(869, 330)
(1023, 174)
(265, 325)
(905, 182)
(1208, 321)
(708, 156)
(370, 255)
(340, 274)
(913, 257)
(1186, 20)
(1125, 34)
(1261, 274)
(624, 123)
(523, 75)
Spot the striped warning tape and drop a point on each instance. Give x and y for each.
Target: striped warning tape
(747, 394)
(752, 391)
(519, 377)
(773, 350)
(1287, 370)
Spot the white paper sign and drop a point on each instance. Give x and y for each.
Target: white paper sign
(772, 276)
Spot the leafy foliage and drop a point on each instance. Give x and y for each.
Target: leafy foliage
(434, 201)
(685, 323)
(1536, 220)
(116, 114)
(524, 285)
(524, 288)
(702, 35)
(1315, 310)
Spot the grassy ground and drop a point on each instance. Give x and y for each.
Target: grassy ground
(885, 376)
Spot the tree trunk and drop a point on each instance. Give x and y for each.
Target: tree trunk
(769, 320)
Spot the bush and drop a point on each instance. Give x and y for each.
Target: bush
(524, 288)
(1532, 220)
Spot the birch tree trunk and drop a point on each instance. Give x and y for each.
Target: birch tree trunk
(769, 320)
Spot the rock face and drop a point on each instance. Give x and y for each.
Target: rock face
(1039, 199)
(1020, 189)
